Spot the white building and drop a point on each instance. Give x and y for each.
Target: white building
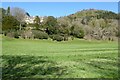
(30, 19)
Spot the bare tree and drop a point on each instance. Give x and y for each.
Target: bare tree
(19, 14)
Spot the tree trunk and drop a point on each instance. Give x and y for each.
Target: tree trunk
(20, 26)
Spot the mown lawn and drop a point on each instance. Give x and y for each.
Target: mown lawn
(51, 59)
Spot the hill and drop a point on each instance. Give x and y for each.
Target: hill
(97, 24)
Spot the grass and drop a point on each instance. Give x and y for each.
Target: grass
(72, 59)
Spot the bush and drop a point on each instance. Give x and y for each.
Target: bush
(10, 34)
(39, 34)
(22, 35)
(16, 35)
(65, 37)
(5, 32)
(13, 34)
(79, 33)
(57, 37)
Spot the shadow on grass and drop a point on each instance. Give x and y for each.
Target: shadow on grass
(105, 66)
(16, 67)
(106, 69)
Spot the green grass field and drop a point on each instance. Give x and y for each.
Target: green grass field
(51, 59)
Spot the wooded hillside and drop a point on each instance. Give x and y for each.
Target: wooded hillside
(87, 24)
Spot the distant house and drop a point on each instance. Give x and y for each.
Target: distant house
(30, 19)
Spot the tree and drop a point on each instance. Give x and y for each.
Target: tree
(37, 22)
(77, 31)
(19, 14)
(9, 22)
(51, 24)
(51, 21)
(64, 24)
(8, 11)
(27, 14)
(2, 12)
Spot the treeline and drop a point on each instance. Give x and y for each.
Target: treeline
(86, 24)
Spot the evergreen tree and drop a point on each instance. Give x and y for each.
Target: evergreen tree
(8, 11)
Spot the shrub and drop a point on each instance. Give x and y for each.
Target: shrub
(57, 37)
(51, 36)
(10, 34)
(16, 35)
(13, 34)
(72, 37)
(79, 33)
(5, 32)
(39, 34)
(65, 37)
(22, 35)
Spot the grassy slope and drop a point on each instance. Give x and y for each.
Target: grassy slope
(45, 58)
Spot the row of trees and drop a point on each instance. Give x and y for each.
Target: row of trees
(87, 24)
